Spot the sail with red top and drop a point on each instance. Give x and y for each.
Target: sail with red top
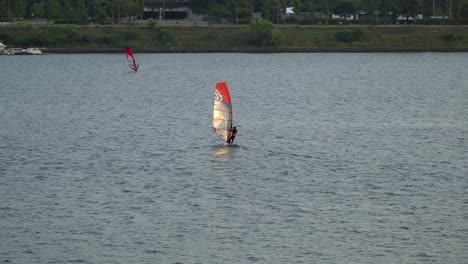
(222, 112)
(131, 60)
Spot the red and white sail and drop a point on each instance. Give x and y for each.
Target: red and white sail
(222, 112)
(131, 60)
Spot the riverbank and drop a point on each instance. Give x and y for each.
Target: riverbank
(253, 50)
(294, 38)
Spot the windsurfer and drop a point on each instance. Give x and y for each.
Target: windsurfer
(136, 67)
(233, 135)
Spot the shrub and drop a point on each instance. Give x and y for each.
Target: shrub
(211, 35)
(131, 35)
(109, 40)
(450, 37)
(32, 40)
(348, 36)
(71, 21)
(164, 35)
(263, 33)
(5, 38)
(152, 25)
(277, 38)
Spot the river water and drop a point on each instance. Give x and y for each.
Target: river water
(340, 158)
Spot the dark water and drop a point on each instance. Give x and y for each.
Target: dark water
(340, 158)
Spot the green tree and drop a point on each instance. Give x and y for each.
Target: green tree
(135, 8)
(100, 11)
(344, 8)
(369, 5)
(52, 10)
(119, 8)
(272, 9)
(386, 6)
(4, 10)
(68, 10)
(38, 10)
(220, 11)
(325, 8)
(297, 5)
(244, 8)
(18, 8)
(81, 13)
(407, 8)
(461, 9)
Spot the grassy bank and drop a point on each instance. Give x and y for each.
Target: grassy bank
(236, 38)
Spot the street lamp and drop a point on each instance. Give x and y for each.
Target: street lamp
(376, 13)
(450, 7)
(361, 14)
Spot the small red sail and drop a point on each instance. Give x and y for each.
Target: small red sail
(131, 60)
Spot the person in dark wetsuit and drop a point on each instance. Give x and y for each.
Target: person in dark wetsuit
(136, 68)
(233, 135)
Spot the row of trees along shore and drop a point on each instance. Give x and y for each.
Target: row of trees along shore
(108, 11)
(71, 11)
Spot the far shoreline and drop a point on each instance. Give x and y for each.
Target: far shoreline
(236, 39)
(254, 50)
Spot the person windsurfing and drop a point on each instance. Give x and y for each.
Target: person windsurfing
(131, 60)
(233, 135)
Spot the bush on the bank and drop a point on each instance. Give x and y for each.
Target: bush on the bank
(263, 33)
(65, 36)
(71, 21)
(164, 36)
(5, 37)
(31, 40)
(109, 40)
(211, 35)
(349, 36)
(450, 37)
(152, 25)
(131, 35)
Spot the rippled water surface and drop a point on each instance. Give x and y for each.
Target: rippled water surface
(340, 158)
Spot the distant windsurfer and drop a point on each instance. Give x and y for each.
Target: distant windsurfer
(233, 135)
(136, 67)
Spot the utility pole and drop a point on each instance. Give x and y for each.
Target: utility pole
(9, 11)
(450, 9)
(277, 13)
(236, 12)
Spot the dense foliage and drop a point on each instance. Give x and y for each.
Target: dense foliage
(106, 11)
(349, 36)
(71, 11)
